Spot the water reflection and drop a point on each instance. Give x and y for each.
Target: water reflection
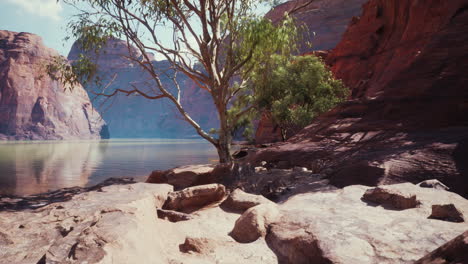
(30, 168)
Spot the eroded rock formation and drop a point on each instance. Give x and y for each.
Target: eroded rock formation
(325, 20)
(119, 224)
(32, 105)
(405, 63)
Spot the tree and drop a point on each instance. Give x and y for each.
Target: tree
(216, 43)
(295, 91)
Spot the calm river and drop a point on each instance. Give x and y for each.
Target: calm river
(36, 167)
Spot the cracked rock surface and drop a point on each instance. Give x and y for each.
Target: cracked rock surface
(119, 224)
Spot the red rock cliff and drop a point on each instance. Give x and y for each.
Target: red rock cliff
(406, 64)
(326, 21)
(32, 105)
(410, 57)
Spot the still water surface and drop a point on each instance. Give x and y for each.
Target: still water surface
(36, 167)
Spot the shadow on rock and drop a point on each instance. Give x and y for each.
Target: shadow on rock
(18, 203)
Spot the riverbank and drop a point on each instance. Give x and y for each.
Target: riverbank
(313, 222)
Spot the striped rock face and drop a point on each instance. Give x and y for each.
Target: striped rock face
(32, 105)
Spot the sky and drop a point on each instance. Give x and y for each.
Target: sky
(45, 18)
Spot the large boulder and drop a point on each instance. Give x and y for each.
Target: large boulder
(253, 223)
(193, 198)
(115, 224)
(338, 227)
(239, 200)
(35, 106)
(183, 177)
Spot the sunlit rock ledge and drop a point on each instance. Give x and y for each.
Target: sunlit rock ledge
(119, 224)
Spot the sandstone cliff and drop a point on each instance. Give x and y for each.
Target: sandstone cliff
(405, 62)
(136, 116)
(325, 21)
(32, 105)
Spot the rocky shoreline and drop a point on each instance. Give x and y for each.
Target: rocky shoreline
(120, 221)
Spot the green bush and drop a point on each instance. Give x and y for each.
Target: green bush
(296, 91)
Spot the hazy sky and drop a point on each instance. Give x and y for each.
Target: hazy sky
(45, 18)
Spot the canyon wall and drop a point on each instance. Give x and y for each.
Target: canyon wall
(32, 105)
(136, 116)
(405, 62)
(325, 22)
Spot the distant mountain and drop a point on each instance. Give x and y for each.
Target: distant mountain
(32, 105)
(136, 116)
(325, 20)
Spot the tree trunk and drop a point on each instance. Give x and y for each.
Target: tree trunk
(283, 134)
(224, 143)
(224, 152)
(225, 139)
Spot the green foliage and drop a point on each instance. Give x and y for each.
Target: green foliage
(241, 58)
(296, 91)
(83, 71)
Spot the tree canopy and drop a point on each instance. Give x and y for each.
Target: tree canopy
(221, 45)
(296, 90)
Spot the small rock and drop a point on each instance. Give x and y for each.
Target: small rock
(263, 163)
(198, 245)
(193, 198)
(292, 243)
(173, 216)
(436, 184)
(446, 212)
(391, 199)
(240, 200)
(254, 223)
(299, 169)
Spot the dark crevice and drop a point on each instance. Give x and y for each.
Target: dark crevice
(379, 12)
(380, 31)
(64, 232)
(72, 252)
(459, 12)
(42, 260)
